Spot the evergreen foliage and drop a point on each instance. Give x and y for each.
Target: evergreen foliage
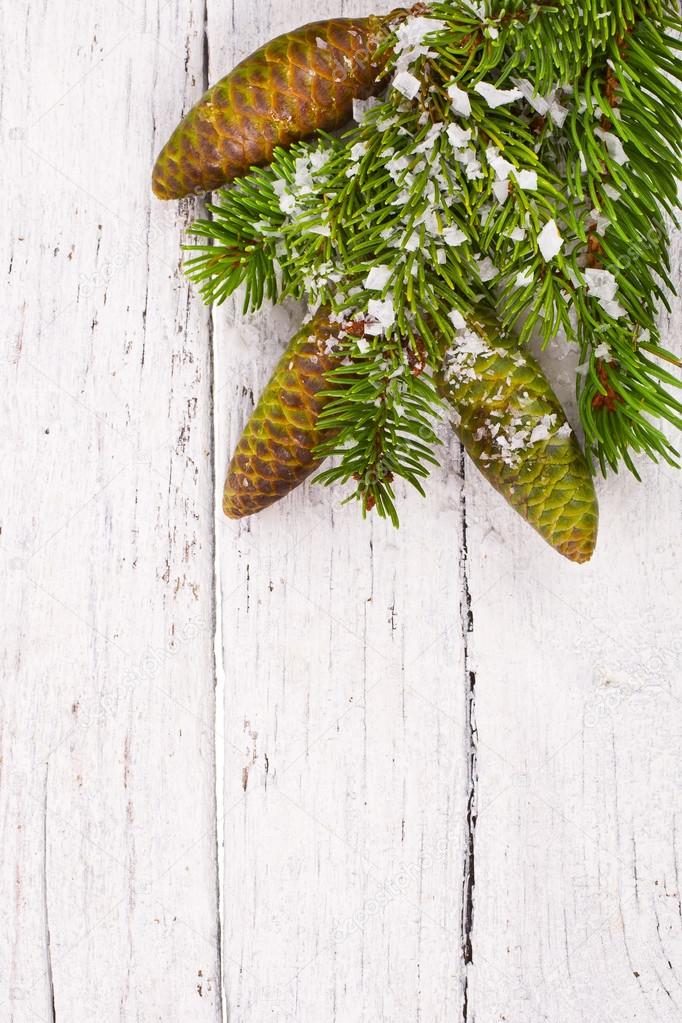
(524, 157)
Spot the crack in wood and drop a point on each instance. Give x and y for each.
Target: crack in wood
(216, 636)
(48, 945)
(471, 741)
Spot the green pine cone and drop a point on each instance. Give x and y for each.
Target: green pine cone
(299, 82)
(513, 427)
(275, 452)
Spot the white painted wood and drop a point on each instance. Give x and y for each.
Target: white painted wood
(344, 824)
(108, 870)
(577, 905)
(378, 742)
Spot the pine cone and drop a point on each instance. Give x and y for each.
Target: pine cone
(275, 452)
(299, 82)
(516, 432)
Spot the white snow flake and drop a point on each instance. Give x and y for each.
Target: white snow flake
(602, 285)
(459, 100)
(383, 313)
(527, 180)
(550, 241)
(501, 190)
(599, 221)
(378, 278)
(453, 236)
(613, 145)
(361, 106)
(459, 137)
(495, 97)
(500, 166)
(406, 84)
(487, 269)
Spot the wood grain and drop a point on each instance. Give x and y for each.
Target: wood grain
(448, 761)
(108, 880)
(577, 905)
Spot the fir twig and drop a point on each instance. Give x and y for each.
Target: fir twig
(534, 169)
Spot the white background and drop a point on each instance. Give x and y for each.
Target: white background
(448, 761)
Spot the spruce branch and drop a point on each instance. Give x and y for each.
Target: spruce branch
(534, 170)
(380, 416)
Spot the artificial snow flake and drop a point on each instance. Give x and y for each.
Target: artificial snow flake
(459, 137)
(500, 166)
(302, 176)
(524, 278)
(558, 113)
(287, 203)
(378, 278)
(361, 106)
(428, 143)
(543, 105)
(602, 351)
(396, 166)
(539, 104)
(453, 236)
(382, 311)
(538, 433)
(406, 84)
(602, 285)
(318, 158)
(460, 358)
(495, 97)
(486, 269)
(550, 241)
(467, 157)
(614, 308)
(527, 180)
(459, 100)
(410, 36)
(517, 234)
(473, 170)
(501, 190)
(613, 145)
(600, 222)
(457, 320)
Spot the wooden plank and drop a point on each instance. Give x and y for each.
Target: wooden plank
(108, 877)
(577, 846)
(343, 816)
(344, 660)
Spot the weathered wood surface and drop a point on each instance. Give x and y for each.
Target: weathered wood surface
(449, 762)
(108, 879)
